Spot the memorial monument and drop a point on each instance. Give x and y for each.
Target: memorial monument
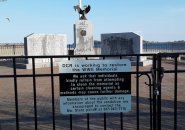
(43, 45)
(124, 44)
(83, 32)
(121, 43)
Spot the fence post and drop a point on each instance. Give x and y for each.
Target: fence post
(14, 50)
(160, 75)
(154, 94)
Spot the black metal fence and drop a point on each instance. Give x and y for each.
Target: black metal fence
(29, 99)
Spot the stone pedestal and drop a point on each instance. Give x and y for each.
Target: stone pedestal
(121, 43)
(83, 38)
(43, 45)
(124, 44)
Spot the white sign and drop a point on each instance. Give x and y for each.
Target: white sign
(95, 86)
(90, 66)
(95, 104)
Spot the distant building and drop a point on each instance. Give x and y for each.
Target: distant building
(177, 46)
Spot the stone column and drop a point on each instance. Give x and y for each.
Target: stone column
(84, 43)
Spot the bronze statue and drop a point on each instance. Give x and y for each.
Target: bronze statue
(82, 12)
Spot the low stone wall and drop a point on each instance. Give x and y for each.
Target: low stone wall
(12, 49)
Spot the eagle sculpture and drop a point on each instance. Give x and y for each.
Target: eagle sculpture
(82, 12)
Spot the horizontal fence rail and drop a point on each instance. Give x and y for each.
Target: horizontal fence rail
(17, 49)
(35, 95)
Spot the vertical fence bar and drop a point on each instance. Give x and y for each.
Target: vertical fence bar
(86, 58)
(175, 96)
(137, 91)
(71, 116)
(71, 122)
(14, 49)
(159, 73)
(121, 113)
(154, 94)
(34, 92)
(52, 92)
(16, 94)
(105, 121)
(150, 96)
(121, 120)
(88, 121)
(104, 115)
(1, 48)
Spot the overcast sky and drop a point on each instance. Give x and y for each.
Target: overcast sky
(155, 20)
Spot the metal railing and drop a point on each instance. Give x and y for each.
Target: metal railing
(147, 107)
